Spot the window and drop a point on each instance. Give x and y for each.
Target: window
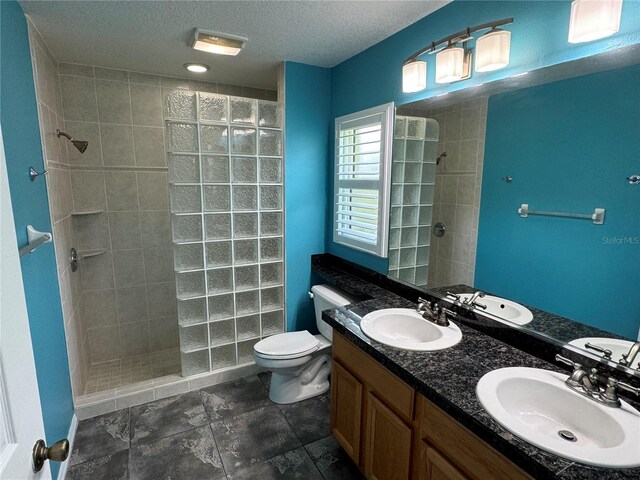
(362, 171)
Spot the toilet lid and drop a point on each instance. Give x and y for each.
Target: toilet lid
(290, 343)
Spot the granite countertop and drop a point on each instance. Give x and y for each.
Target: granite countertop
(449, 377)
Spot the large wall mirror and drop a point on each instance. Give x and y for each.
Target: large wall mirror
(495, 187)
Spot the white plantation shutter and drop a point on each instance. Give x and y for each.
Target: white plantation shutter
(362, 169)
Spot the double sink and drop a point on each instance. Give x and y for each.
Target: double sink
(535, 405)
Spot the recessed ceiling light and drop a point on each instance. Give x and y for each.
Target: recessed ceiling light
(196, 67)
(220, 43)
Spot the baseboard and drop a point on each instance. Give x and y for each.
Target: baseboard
(71, 437)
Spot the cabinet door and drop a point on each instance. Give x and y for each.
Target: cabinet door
(388, 449)
(346, 410)
(436, 467)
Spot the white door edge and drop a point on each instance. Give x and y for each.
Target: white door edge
(22, 422)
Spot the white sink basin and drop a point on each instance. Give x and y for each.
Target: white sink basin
(503, 308)
(617, 347)
(405, 328)
(536, 405)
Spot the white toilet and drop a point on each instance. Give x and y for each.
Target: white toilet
(299, 362)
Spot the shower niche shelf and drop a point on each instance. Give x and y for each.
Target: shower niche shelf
(86, 212)
(91, 253)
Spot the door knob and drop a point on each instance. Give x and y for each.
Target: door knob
(58, 452)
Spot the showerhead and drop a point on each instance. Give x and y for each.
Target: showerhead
(81, 145)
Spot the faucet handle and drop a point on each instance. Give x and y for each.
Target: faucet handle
(610, 395)
(626, 387)
(454, 295)
(606, 353)
(479, 305)
(443, 317)
(566, 361)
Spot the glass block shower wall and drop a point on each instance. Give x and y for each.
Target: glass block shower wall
(226, 174)
(413, 176)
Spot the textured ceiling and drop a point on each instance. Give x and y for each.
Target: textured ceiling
(153, 36)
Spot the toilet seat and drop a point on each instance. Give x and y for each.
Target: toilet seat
(287, 346)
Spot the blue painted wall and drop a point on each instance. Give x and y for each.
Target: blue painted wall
(569, 146)
(308, 93)
(19, 119)
(539, 38)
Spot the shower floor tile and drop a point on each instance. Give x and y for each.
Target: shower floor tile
(129, 370)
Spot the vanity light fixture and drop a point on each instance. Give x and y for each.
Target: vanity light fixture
(492, 50)
(219, 43)
(594, 19)
(453, 64)
(196, 67)
(453, 58)
(414, 76)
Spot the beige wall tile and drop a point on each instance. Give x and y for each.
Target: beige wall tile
(154, 190)
(97, 272)
(114, 102)
(112, 74)
(104, 343)
(76, 70)
(144, 78)
(132, 304)
(156, 228)
(158, 263)
(163, 333)
(92, 232)
(162, 300)
(100, 308)
(117, 145)
(125, 230)
(79, 99)
(149, 146)
(122, 191)
(88, 190)
(128, 268)
(134, 338)
(146, 103)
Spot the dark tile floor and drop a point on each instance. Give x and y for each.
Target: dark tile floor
(230, 431)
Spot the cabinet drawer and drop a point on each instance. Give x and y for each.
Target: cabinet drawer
(473, 457)
(394, 392)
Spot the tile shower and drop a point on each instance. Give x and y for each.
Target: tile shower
(458, 188)
(112, 204)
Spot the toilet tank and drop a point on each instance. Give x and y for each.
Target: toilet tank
(324, 298)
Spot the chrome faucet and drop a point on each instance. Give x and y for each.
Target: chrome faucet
(588, 384)
(630, 356)
(469, 302)
(434, 313)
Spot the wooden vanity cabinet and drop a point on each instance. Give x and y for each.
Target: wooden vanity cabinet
(393, 433)
(346, 410)
(382, 447)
